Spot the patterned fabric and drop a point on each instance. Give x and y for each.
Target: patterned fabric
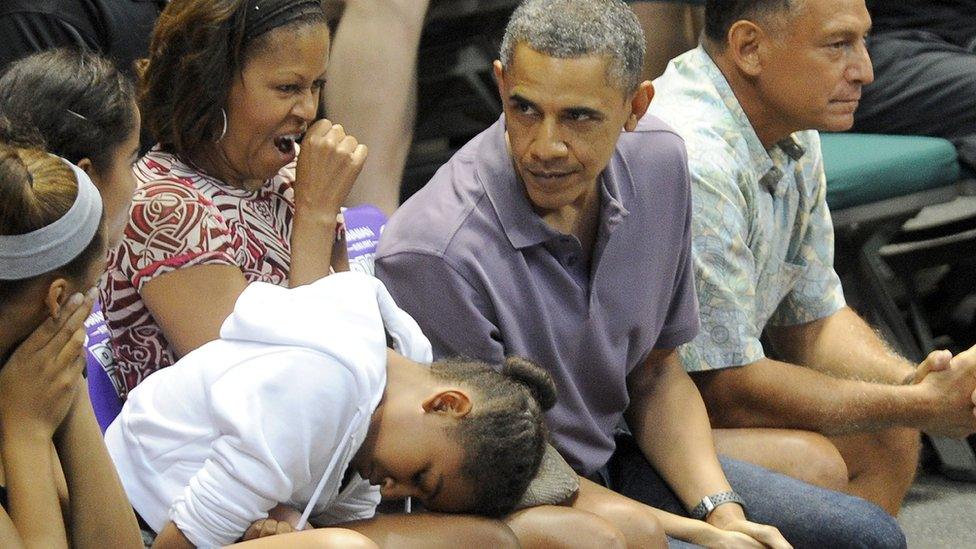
(181, 218)
(762, 237)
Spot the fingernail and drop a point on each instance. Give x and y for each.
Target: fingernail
(92, 293)
(76, 299)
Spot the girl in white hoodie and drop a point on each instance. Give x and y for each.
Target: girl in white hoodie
(301, 403)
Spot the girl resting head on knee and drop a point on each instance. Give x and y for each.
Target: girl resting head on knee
(300, 403)
(52, 247)
(83, 109)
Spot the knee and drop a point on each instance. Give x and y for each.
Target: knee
(604, 534)
(342, 538)
(879, 530)
(822, 465)
(897, 450)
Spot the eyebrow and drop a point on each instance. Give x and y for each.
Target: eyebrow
(522, 99)
(589, 111)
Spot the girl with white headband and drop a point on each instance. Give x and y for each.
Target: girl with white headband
(60, 486)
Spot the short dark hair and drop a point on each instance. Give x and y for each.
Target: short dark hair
(567, 29)
(504, 436)
(78, 103)
(198, 47)
(720, 15)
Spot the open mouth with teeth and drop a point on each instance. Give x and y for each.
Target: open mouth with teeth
(286, 143)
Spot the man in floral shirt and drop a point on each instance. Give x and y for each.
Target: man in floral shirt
(748, 102)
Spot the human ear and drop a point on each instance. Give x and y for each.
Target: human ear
(453, 402)
(744, 42)
(639, 103)
(57, 294)
(89, 168)
(499, 72)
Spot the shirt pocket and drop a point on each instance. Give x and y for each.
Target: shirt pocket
(775, 282)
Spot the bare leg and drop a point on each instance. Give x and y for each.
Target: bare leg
(557, 527)
(882, 465)
(804, 455)
(323, 538)
(372, 90)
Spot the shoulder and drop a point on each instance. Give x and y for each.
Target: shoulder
(281, 374)
(439, 216)
(652, 142)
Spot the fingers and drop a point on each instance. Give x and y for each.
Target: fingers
(71, 315)
(767, 535)
(283, 528)
(70, 358)
(359, 155)
(935, 362)
(253, 530)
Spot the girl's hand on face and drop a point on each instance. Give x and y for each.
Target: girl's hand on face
(328, 165)
(38, 383)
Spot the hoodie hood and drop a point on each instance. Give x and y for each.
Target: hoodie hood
(344, 315)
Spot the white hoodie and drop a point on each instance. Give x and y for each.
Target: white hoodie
(270, 413)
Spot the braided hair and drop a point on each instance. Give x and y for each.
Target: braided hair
(504, 435)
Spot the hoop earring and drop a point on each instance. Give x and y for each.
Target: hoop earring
(223, 132)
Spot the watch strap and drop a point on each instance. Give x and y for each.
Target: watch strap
(709, 503)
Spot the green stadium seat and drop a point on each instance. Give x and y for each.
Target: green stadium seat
(874, 184)
(880, 177)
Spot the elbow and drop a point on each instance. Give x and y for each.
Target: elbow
(729, 399)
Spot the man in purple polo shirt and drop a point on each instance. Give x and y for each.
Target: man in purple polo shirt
(556, 236)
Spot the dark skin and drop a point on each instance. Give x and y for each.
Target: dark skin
(408, 453)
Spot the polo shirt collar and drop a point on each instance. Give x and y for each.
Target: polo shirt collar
(523, 227)
(773, 163)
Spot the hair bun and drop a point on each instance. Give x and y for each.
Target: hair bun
(534, 377)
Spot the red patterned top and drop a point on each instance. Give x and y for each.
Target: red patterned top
(181, 218)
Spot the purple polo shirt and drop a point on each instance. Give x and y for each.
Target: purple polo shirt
(485, 277)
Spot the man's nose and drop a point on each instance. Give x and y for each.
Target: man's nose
(549, 142)
(860, 70)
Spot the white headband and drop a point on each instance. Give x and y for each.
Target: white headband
(48, 248)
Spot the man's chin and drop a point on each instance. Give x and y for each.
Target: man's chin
(839, 123)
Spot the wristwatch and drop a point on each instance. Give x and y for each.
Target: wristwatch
(709, 503)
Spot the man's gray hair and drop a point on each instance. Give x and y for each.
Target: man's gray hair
(567, 29)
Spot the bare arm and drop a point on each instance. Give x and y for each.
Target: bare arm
(328, 165)
(669, 422)
(384, 35)
(100, 514)
(842, 345)
(170, 537)
(37, 388)
(190, 304)
(769, 393)
(668, 419)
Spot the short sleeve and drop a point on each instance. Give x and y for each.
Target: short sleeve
(452, 314)
(817, 292)
(725, 273)
(172, 226)
(681, 324)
